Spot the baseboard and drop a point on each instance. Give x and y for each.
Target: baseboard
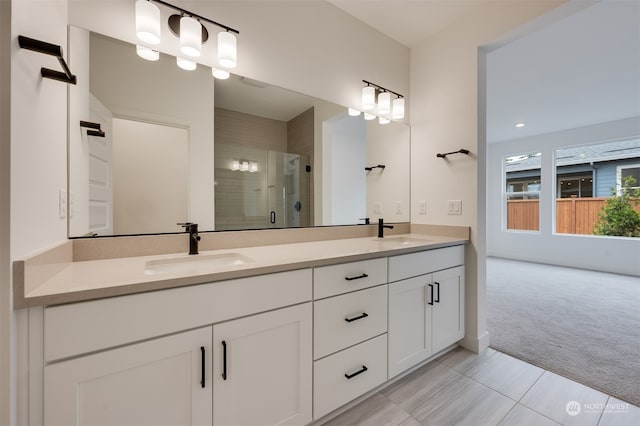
(476, 344)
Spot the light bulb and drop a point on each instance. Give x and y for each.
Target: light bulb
(368, 98)
(354, 112)
(186, 64)
(383, 120)
(368, 116)
(253, 166)
(227, 50)
(244, 166)
(398, 109)
(235, 165)
(147, 22)
(220, 74)
(147, 53)
(190, 36)
(384, 103)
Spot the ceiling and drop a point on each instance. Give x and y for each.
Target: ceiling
(409, 22)
(580, 70)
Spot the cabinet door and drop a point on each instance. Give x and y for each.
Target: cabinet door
(262, 371)
(158, 382)
(448, 309)
(409, 323)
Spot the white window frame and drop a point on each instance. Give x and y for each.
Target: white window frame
(619, 170)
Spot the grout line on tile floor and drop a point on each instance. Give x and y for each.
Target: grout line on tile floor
(532, 385)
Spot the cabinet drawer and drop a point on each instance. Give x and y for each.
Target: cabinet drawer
(337, 279)
(99, 324)
(331, 386)
(424, 262)
(348, 319)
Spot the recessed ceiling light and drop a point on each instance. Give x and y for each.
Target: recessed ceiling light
(519, 125)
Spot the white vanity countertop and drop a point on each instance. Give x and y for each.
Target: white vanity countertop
(94, 279)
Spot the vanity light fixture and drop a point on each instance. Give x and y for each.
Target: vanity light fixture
(368, 98)
(244, 166)
(398, 108)
(147, 22)
(384, 103)
(235, 165)
(220, 73)
(253, 166)
(384, 100)
(147, 53)
(368, 116)
(189, 28)
(186, 64)
(354, 112)
(190, 36)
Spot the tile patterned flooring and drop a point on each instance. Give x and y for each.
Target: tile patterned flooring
(492, 388)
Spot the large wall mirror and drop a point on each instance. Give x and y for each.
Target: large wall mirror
(181, 146)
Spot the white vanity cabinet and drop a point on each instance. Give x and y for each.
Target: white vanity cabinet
(157, 358)
(164, 381)
(262, 371)
(426, 312)
(350, 332)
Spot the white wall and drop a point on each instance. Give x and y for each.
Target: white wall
(619, 255)
(444, 117)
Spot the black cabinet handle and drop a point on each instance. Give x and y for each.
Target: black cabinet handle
(437, 300)
(224, 360)
(351, 376)
(364, 315)
(356, 277)
(272, 217)
(202, 375)
(431, 287)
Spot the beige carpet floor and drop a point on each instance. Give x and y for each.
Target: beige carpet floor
(580, 324)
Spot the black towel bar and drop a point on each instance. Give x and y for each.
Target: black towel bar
(49, 49)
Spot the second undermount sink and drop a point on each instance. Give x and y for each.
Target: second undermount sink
(195, 263)
(402, 241)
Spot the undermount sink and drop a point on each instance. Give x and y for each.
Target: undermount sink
(402, 241)
(195, 263)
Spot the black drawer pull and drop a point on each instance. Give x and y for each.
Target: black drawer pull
(351, 376)
(431, 287)
(224, 360)
(203, 359)
(437, 292)
(364, 315)
(356, 278)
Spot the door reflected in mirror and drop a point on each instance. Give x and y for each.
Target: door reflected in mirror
(231, 154)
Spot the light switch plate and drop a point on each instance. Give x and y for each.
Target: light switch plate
(398, 207)
(62, 204)
(454, 207)
(422, 208)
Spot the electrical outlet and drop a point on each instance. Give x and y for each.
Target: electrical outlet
(398, 207)
(62, 204)
(376, 208)
(422, 207)
(454, 207)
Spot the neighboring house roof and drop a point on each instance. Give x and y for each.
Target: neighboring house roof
(606, 151)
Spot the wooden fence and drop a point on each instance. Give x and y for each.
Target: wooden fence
(573, 215)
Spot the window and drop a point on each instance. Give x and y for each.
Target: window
(575, 186)
(625, 171)
(522, 184)
(586, 176)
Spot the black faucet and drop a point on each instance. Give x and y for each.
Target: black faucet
(381, 227)
(367, 221)
(192, 229)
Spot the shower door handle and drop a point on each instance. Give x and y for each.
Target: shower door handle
(272, 216)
